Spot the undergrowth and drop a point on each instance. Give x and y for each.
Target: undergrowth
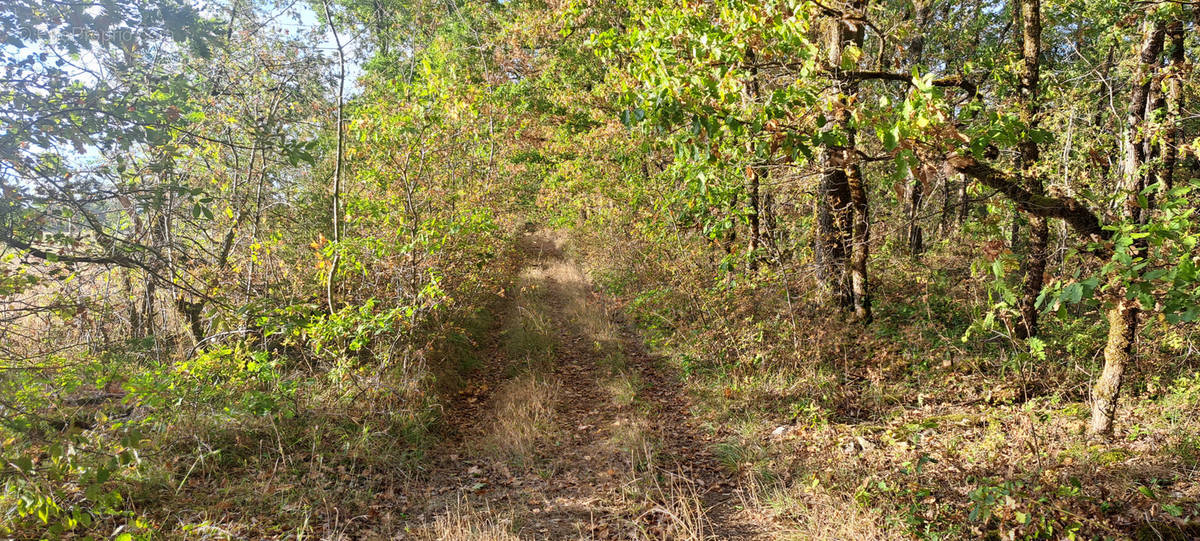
(296, 429)
(923, 424)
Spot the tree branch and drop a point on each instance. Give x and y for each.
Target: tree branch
(1078, 216)
(951, 81)
(18, 244)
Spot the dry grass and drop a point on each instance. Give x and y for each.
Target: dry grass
(584, 307)
(676, 510)
(624, 388)
(524, 415)
(667, 504)
(663, 504)
(464, 522)
(588, 313)
(633, 439)
(816, 512)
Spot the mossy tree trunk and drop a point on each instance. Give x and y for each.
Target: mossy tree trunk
(1123, 316)
(843, 232)
(1118, 351)
(1035, 261)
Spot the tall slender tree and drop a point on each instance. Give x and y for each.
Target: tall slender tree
(1039, 233)
(1125, 310)
(336, 182)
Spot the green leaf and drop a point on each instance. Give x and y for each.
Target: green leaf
(93, 492)
(1073, 293)
(891, 137)
(23, 463)
(199, 211)
(850, 56)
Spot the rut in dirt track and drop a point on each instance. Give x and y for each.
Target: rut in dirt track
(570, 430)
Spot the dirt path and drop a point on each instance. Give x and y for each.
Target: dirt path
(571, 431)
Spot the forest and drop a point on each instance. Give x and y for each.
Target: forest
(504, 270)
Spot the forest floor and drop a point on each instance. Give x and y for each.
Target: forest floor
(559, 420)
(570, 430)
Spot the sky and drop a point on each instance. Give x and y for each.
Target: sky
(299, 18)
(293, 17)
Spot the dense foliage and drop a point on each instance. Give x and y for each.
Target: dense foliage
(230, 223)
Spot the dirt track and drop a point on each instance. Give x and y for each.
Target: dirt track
(570, 430)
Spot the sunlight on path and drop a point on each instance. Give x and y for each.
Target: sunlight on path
(571, 431)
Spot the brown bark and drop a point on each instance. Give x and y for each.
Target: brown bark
(862, 243)
(953, 81)
(947, 207)
(1034, 276)
(914, 235)
(964, 200)
(1135, 117)
(853, 32)
(1076, 214)
(834, 208)
(1174, 106)
(752, 177)
(775, 239)
(833, 224)
(337, 168)
(136, 329)
(192, 312)
(148, 309)
(1123, 317)
(753, 208)
(844, 209)
(1034, 264)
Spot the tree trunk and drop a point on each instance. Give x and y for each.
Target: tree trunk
(772, 236)
(752, 177)
(337, 168)
(148, 310)
(914, 236)
(842, 205)
(1068, 209)
(1174, 106)
(862, 242)
(136, 328)
(853, 32)
(192, 312)
(1139, 98)
(1034, 278)
(1123, 317)
(947, 207)
(1118, 351)
(964, 200)
(753, 209)
(833, 209)
(1039, 232)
